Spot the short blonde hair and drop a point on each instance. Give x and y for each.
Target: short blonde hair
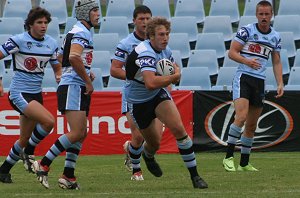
(154, 22)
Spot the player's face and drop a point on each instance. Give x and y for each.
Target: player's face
(94, 17)
(140, 23)
(161, 38)
(39, 27)
(264, 15)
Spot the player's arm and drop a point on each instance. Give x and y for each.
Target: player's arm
(77, 64)
(116, 69)
(277, 68)
(57, 69)
(234, 54)
(154, 82)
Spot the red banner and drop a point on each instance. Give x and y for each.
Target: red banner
(107, 127)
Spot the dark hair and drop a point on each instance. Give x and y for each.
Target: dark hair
(264, 3)
(141, 9)
(34, 14)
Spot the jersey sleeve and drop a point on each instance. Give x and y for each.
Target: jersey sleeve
(10, 46)
(121, 52)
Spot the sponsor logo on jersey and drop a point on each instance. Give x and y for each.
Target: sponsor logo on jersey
(145, 61)
(30, 63)
(9, 45)
(89, 58)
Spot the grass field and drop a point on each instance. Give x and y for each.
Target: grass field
(105, 176)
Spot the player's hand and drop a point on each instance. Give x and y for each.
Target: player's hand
(57, 78)
(177, 74)
(89, 88)
(279, 91)
(92, 76)
(253, 63)
(1, 91)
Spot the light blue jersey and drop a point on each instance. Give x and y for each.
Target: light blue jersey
(84, 37)
(142, 58)
(30, 57)
(257, 45)
(124, 48)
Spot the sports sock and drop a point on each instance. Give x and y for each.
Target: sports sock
(37, 136)
(135, 157)
(245, 150)
(71, 157)
(12, 158)
(61, 144)
(233, 135)
(185, 146)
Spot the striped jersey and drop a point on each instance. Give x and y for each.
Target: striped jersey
(30, 57)
(257, 44)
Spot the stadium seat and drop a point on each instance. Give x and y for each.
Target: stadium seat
(75, 3)
(57, 8)
(204, 58)
(71, 21)
(180, 41)
(6, 78)
(216, 24)
(17, 8)
(106, 42)
(211, 41)
(284, 60)
(250, 7)
(3, 39)
(293, 25)
(101, 59)
(49, 82)
(297, 59)
(229, 62)
(287, 42)
(114, 25)
(230, 8)
(294, 78)
(121, 8)
(190, 8)
(2, 67)
(159, 7)
(185, 24)
(225, 78)
(53, 28)
(245, 20)
(11, 25)
(270, 82)
(194, 78)
(177, 57)
(98, 81)
(114, 84)
(289, 7)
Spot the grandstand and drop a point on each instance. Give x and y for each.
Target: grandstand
(211, 11)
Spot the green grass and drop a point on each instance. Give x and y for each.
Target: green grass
(105, 176)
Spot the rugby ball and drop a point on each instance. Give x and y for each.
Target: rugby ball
(165, 67)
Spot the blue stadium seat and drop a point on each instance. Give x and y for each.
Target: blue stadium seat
(180, 41)
(114, 84)
(211, 41)
(230, 8)
(288, 7)
(53, 28)
(114, 25)
(101, 59)
(288, 43)
(270, 82)
(294, 78)
(245, 20)
(177, 57)
(190, 8)
(11, 25)
(49, 82)
(159, 7)
(225, 78)
(204, 58)
(229, 62)
(6, 78)
(71, 21)
(98, 81)
(106, 42)
(185, 24)
(121, 8)
(281, 25)
(297, 59)
(216, 24)
(284, 60)
(17, 8)
(194, 78)
(57, 8)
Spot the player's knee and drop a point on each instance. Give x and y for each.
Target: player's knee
(49, 124)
